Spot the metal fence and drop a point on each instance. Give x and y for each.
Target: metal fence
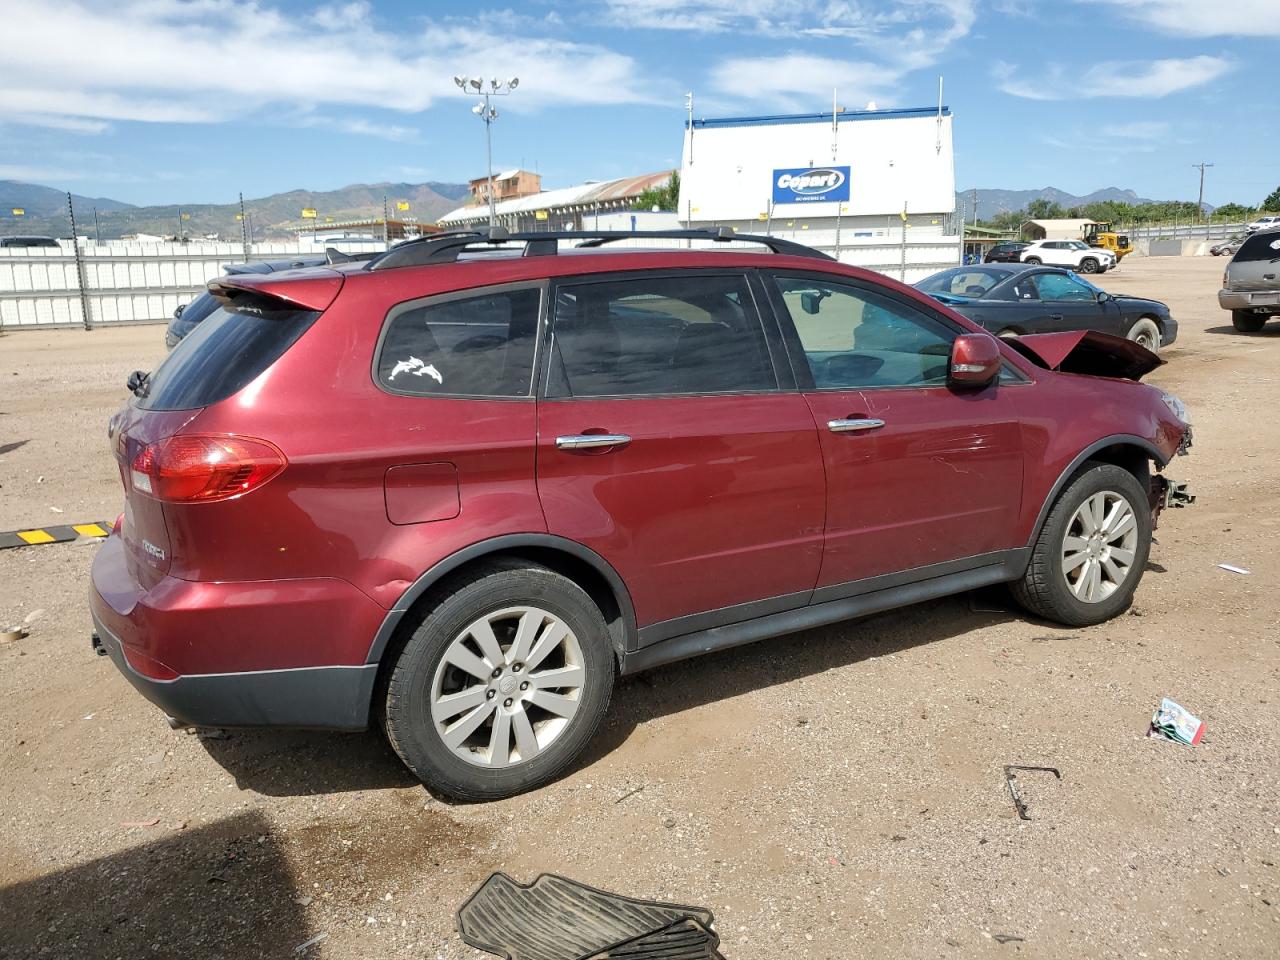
(115, 282)
(1184, 231)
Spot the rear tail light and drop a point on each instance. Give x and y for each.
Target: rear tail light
(199, 469)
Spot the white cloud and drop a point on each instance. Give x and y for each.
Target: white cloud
(1137, 130)
(1149, 79)
(70, 124)
(889, 43)
(1196, 18)
(214, 60)
(32, 173)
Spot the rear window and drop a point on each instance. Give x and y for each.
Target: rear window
(1261, 246)
(225, 351)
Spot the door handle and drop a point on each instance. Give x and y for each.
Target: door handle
(590, 441)
(1055, 316)
(852, 425)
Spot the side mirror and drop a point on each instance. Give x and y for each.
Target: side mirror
(975, 360)
(177, 311)
(810, 302)
(1103, 296)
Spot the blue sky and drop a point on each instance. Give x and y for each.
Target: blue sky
(154, 101)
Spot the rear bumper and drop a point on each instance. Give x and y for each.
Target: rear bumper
(328, 698)
(256, 653)
(1249, 300)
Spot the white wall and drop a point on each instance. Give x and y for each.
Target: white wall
(125, 282)
(893, 160)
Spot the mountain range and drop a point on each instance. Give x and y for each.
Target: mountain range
(991, 202)
(46, 210)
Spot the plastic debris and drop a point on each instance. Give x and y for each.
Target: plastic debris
(10, 634)
(1233, 568)
(305, 945)
(1174, 722)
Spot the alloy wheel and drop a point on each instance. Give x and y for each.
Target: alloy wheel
(1099, 547)
(507, 686)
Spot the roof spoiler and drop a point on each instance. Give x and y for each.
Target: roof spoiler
(315, 291)
(1087, 352)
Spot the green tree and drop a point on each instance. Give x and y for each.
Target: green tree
(664, 197)
(1272, 203)
(1042, 209)
(1232, 211)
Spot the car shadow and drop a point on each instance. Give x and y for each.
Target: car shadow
(302, 763)
(1270, 330)
(222, 890)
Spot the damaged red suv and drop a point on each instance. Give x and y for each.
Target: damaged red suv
(458, 489)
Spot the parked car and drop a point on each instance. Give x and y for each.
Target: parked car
(1250, 289)
(455, 495)
(1004, 252)
(1270, 221)
(1075, 254)
(1228, 247)
(29, 242)
(1017, 299)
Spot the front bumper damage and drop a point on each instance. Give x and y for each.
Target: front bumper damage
(1165, 493)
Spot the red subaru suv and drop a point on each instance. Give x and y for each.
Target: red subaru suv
(458, 489)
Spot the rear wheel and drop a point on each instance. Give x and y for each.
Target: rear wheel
(1088, 265)
(1146, 333)
(502, 684)
(1092, 549)
(1247, 322)
(1035, 260)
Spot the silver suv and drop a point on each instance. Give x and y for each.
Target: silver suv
(1250, 289)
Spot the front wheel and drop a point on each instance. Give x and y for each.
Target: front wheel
(1036, 260)
(502, 684)
(1088, 265)
(1145, 333)
(1092, 549)
(1247, 322)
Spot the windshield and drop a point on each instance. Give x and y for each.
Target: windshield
(962, 281)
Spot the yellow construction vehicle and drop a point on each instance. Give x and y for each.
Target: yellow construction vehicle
(1101, 235)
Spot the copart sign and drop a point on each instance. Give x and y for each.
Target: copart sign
(811, 185)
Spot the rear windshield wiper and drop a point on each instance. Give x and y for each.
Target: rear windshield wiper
(139, 383)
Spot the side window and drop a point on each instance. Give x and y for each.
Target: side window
(1024, 288)
(658, 335)
(473, 346)
(853, 337)
(1061, 288)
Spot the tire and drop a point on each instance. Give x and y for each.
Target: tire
(1145, 332)
(1088, 265)
(501, 594)
(1047, 590)
(1247, 322)
(1036, 260)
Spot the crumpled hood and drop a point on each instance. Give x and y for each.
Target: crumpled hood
(1087, 352)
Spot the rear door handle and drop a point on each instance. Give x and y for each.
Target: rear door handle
(854, 425)
(590, 441)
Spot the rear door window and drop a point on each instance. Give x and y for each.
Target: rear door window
(224, 352)
(658, 336)
(477, 344)
(1260, 246)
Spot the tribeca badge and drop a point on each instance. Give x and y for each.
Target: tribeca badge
(809, 185)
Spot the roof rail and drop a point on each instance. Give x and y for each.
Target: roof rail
(447, 247)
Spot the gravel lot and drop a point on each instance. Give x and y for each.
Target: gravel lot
(836, 793)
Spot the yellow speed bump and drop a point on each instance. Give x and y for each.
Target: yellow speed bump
(59, 534)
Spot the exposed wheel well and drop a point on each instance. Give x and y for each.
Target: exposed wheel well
(566, 564)
(1127, 456)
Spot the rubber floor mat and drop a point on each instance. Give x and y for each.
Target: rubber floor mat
(684, 940)
(554, 918)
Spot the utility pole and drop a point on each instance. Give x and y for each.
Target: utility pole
(386, 243)
(80, 275)
(688, 106)
(1200, 202)
(244, 227)
(487, 112)
(97, 227)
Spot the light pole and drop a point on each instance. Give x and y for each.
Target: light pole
(486, 111)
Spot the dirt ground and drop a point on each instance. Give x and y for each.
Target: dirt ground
(836, 793)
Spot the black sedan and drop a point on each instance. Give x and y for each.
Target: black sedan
(1005, 252)
(1016, 298)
